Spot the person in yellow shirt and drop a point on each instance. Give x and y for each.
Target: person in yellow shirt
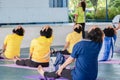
(80, 16)
(39, 50)
(72, 38)
(12, 43)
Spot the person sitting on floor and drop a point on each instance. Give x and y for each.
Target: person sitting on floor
(107, 49)
(85, 55)
(72, 38)
(12, 42)
(39, 50)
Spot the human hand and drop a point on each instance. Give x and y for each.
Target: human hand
(45, 28)
(59, 71)
(18, 27)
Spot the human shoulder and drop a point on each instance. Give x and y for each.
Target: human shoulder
(83, 41)
(79, 8)
(9, 35)
(34, 40)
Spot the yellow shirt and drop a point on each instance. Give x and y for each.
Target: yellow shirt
(81, 15)
(73, 38)
(13, 42)
(40, 49)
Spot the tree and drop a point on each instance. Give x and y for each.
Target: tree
(114, 3)
(94, 3)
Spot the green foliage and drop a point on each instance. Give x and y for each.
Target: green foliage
(99, 9)
(89, 4)
(90, 15)
(73, 4)
(100, 13)
(112, 12)
(94, 2)
(119, 10)
(114, 3)
(71, 17)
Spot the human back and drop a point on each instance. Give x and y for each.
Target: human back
(12, 43)
(86, 54)
(108, 45)
(40, 47)
(87, 60)
(73, 37)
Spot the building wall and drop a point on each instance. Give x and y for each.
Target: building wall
(27, 11)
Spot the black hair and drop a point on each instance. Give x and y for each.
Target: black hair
(95, 35)
(83, 4)
(78, 30)
(19, 31)
(109, 32)
(47, 33)
(13, 31)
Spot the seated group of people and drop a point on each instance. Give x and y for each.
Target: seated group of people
(83, 51)
(39, 47)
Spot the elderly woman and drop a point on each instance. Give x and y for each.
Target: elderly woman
(39, 50)
(108, 45)
(12, 42)
(72, 38)
(85, 55)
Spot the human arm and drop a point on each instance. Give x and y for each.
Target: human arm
(4, 44)
(66, 45)
(31, 48)
(76, 15)
(117, 28)
(68, 38)
(67, 62)
(75, 18)
(31, 52)
(3, 48)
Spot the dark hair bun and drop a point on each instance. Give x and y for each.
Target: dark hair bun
(109, 32)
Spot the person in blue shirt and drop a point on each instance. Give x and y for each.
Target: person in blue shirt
(107, 50)
(85, 55)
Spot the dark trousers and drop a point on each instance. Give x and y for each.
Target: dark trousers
(30, 63)
(65, 52)
(1, 57)
(83, 29)
(66, 73)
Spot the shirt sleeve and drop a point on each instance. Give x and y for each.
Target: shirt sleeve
(52, 38)
(76, 51)
(32, 46)
(6, 39)
(68, 38)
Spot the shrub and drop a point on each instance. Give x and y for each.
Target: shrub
(112, 12)
(90, 15)
(100, 13)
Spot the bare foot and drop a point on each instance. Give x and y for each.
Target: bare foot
(40, 70)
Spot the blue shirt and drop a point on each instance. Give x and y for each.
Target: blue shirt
(86, 65)
(107, 49)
